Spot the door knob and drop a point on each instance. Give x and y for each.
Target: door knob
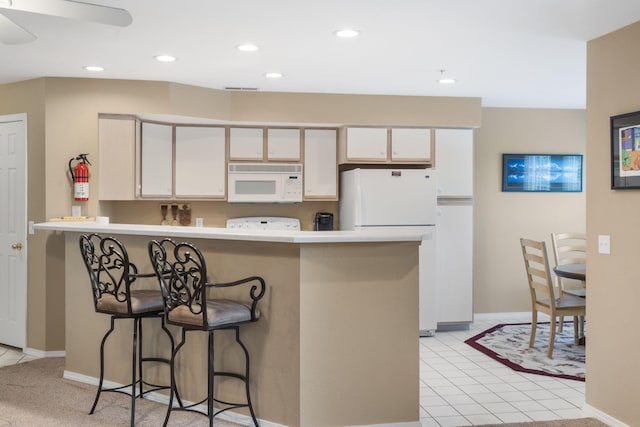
(17, 246)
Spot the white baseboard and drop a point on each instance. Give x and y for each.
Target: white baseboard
(590, 411)
(164, 399)
(409, 424)
(524, 315)
(39, 353)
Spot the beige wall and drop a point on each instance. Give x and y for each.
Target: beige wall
(28, 97)
(66, 110)
(356, 109)
(501, 219)
(62, 115)
(613, 88)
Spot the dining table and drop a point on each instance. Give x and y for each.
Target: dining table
(577, 271)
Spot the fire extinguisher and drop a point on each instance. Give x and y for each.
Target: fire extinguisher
(80, 177)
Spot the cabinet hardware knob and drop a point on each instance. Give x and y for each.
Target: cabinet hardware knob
(17, 246)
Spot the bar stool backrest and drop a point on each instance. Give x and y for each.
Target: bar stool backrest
(110, 272)
(182, 274)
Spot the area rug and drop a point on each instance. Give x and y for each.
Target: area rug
(509, 345)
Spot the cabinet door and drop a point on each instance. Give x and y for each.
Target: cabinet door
(283, 144)
(454, 162)
(454, 270)
(116, 158)
(156, 163)
(246, 143)
(411, 145)
(367, 144)
(200, 162)
(320, 164)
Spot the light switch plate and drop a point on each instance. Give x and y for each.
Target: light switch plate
(604, 244)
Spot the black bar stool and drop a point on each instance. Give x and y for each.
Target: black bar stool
(182, 274)
(112, 278)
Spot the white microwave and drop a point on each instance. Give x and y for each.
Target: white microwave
(264, 182)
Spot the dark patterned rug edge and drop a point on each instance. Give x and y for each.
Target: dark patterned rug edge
(473, 343)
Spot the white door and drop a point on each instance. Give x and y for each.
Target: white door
(454, 162)
(454, 269)
(156, 176)
(411, 144)
(200, 157)
(283, 144)
(320, 166)
(246, 144)
(13, 233)
(367, 144)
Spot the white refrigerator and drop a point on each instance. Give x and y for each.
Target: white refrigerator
(384, 199)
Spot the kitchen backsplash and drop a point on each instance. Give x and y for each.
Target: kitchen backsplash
(215, 214)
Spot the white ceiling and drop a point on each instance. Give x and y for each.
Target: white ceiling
(511, 53)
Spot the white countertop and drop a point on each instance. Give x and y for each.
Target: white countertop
(386, 235)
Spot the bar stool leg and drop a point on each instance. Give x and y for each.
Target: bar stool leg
(246, 381)
(173, 346)
(134, 362)
(210, 374)
(104, 339)
(172, 365)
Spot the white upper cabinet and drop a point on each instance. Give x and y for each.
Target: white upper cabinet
(283, 144)
(200, 162)
(320, 164)
(454, 162)
(366, 144)
(409, 144)
(156, 165)
(246, 144)
(116, 158)
(362, 145)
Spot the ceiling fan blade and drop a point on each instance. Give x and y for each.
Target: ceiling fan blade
(12, 33)
(73, 10)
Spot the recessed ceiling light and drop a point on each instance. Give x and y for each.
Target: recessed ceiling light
(247, 47)
(273, 75)
(347, 33)
(444, 80)
(165, 58)
(93, 68)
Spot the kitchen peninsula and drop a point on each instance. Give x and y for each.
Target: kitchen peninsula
(337, 341)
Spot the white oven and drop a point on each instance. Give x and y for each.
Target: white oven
(264, 182)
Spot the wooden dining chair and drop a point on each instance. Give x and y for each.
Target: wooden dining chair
(543, 296)
(569, 248)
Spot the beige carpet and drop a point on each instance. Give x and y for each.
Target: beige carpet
(35, 394)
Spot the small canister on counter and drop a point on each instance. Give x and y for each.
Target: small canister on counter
(323, 221)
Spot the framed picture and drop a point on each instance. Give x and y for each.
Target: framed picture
(542, 172)
(625, 151)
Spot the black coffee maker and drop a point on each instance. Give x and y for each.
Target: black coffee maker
(323, 221)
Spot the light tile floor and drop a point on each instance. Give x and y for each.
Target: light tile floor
(459, 386)
(12, 356)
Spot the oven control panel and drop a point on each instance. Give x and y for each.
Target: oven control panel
(264, 223)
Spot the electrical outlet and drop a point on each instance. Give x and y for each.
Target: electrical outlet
(604, 244)
(199, 222)
(31, 229)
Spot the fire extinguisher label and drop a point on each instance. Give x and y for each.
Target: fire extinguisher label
(81, 191)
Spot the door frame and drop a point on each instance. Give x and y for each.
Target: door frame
(22, 117)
